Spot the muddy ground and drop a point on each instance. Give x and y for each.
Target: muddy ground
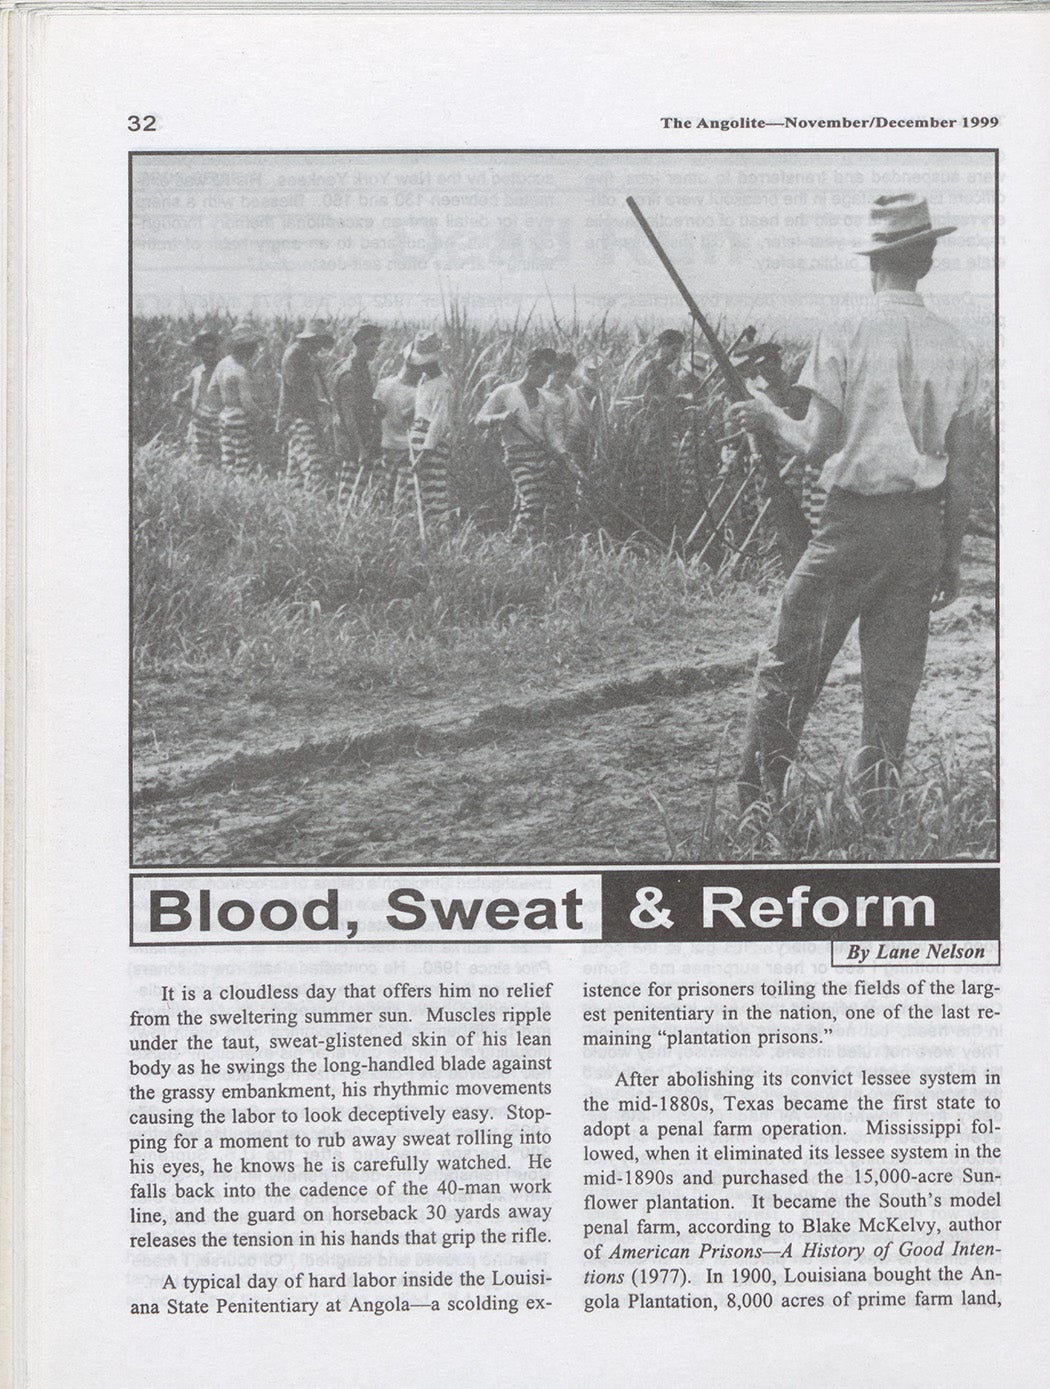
(616, 765)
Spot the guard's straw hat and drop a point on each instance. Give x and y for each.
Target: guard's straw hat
(900, 219)
(244, 335)
(315, 331)
(424, 349)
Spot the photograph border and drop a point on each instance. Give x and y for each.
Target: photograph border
(136, 865)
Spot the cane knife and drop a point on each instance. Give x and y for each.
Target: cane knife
(789, 520)
(417, 492)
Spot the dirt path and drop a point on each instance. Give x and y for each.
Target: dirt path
(487, 776)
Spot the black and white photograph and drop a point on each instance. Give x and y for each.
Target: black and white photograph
(563, 507)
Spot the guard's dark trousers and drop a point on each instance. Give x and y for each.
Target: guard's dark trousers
(876, 559)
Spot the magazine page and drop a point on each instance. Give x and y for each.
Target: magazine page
(532, 861)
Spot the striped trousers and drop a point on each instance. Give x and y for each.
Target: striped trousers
(204, 438)
(236, 445)
(431, 470)
(813, 495)
(306, 465)
(532, 475)
(397, 486)
(804, 481)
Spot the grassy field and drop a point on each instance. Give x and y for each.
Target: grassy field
(316, 683)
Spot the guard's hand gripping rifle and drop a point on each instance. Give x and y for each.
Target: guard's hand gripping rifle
(792, 528)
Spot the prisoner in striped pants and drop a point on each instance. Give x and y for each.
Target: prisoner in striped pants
(204, 437)
(532, 473)
(431, 469)
(306, 465)
(236, 445)
(813, 494)
(804, 481)
(397, 485)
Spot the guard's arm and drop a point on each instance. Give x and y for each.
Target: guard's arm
(958, 494)
(814, 438)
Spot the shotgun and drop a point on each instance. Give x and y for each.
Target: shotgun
(792, 528)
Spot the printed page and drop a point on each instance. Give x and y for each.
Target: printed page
(534, 744)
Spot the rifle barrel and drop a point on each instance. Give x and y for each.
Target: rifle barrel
(793, 531)
(734, 380)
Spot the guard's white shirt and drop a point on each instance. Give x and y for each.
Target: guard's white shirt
(898, 376)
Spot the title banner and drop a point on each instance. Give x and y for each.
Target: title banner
(638, 905)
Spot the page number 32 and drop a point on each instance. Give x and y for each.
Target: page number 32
(142, 122)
